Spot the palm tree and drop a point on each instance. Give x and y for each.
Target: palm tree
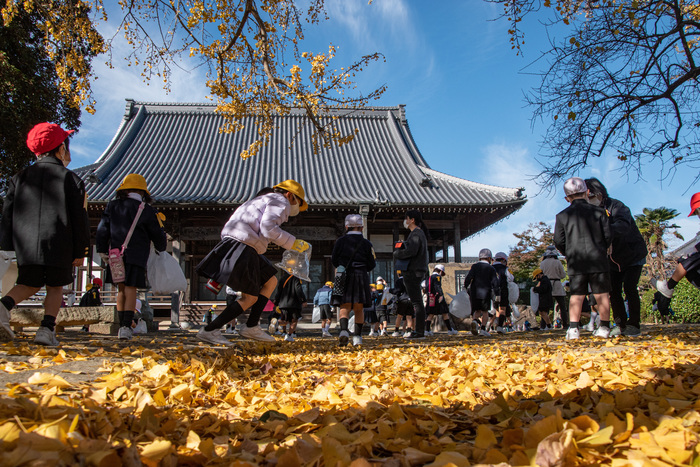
(654, 224)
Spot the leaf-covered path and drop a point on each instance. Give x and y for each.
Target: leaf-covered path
(519, 399)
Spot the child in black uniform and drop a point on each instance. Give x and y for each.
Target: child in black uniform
(290, 299)
(481, 281)
(355, 254)
(118, 219)
(543, 288)
(436, 302)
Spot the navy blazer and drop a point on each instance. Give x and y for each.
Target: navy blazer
(115, 224)
(44, 217)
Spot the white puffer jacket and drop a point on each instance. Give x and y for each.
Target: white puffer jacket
(257, 223)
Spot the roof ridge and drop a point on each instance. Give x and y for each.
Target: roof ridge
(214, 104)
(462, 181)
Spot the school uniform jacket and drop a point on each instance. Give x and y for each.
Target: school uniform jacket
(44, 217)
(115, 224)
(502, 272)
(481, 281)
(582, 233)
(290, 293)
(363, 258)
(628, 245)
(544, 289)
(434, 287)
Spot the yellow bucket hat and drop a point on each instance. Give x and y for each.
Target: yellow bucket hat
(297, 190)
(134, 182)
(536, 273)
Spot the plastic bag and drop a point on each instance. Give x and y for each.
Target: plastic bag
(164, 273)
(515, 311)
(534, 300)
(316, 315)
(513, 292)
(461, 306)
(296, 263)
(5, 261)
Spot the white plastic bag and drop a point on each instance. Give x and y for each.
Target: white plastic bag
(316, 315)
(513, 292)
(141, 327)
(515, 311)
(534, 300)
(461, 306)
(5, 261)
(164, 273)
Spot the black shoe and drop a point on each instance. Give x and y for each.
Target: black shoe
(414, 335)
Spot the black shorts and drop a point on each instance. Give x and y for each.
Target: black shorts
(39, 276)
(404, 308)
(691, 264)
(598, 281)
(135, 276)
(326, 312)
(479, 304)
(290, 314)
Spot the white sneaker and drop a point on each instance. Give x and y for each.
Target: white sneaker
(255, 333)
(371, 334)
(428, 333)
(662, 286)
(325, 333)
(590, 327)
(452, 332)
(407, 334)
(396, 334)
(603, 332)
(125, 333)
(141, 327)
(500, 330)
(382, 332)
(572, 334)
(45, 336)
(6, 333)
(213, 337)
(615, 332)
(356, 340)
(289, 337)
(484, 333)
(343, 338)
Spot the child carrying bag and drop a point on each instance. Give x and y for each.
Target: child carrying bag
(341, 276)
(116, 255)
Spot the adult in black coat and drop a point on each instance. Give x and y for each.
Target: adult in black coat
(44, 221)
(627, 258)
(415, 250)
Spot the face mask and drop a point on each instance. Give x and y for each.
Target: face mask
(135, 196)
(406, 223)
(295, 210)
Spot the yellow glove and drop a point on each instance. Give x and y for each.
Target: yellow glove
(300, 246)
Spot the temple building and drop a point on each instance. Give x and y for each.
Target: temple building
(197, 179)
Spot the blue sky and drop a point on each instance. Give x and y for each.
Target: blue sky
(462, 84)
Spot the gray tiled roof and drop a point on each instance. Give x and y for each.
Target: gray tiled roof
(184, 157)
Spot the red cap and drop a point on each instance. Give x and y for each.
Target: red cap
(694, 203)
(46, 136)
(97, 281)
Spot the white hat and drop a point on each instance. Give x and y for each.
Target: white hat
(353, 220)
(380, 278)
(485, 253)
(574, 185)
(501, 255)
(439, 267)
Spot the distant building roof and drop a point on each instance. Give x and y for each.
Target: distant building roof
(685, 249)
(184, 157)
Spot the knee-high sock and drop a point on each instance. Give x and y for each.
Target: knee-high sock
(126, 318)
(256, 311)
(230, 312)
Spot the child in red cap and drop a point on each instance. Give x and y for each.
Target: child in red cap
(688, 266)
(44, 221)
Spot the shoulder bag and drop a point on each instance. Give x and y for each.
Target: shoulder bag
(116, 255)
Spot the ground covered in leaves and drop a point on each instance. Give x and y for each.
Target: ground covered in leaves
(519, 399)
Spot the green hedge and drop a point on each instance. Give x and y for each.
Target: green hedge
(685, 304)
